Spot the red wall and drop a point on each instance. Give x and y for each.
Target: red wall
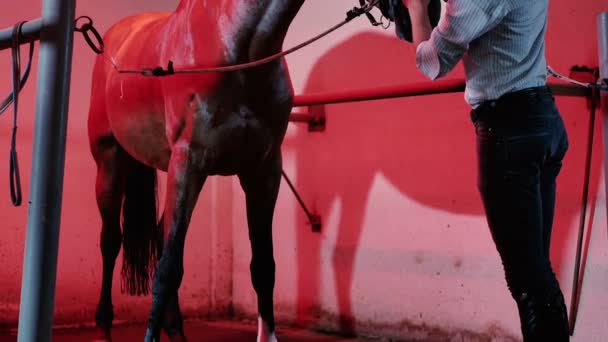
(404, 250)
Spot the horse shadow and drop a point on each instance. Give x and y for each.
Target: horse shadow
(425, 149)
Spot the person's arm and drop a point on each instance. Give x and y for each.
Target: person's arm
(421, 22)
(438, 51)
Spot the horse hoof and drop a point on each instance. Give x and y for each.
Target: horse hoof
(103, 335)
(266, 337)
(271, 338)
(264, 332)
(151, 337)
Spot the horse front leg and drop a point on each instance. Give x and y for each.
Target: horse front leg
(184, 183)
(173, 323)
(261, 188)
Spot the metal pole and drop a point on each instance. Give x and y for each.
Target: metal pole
(313, 219)
(29, 33)
(577, 280)
(602, 35)
(42, 239)
(410, 89)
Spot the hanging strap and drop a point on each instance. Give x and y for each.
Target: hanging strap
(18, 84)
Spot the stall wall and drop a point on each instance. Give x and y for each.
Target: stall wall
(404, 249)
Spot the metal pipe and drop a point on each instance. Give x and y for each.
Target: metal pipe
(29, 33)
(42, 235)
(579, 265)
(602, 35)
(569, 90)
(378, 93)
(293, 189)
(412, 89)
(300, 117)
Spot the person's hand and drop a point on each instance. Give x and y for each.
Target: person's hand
(416, 4)
(421, 24)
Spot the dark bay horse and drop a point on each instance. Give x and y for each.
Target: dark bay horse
(191, 126)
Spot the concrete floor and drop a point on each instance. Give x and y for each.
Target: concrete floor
(196, 331)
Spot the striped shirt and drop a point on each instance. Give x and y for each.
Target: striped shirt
(501, 44)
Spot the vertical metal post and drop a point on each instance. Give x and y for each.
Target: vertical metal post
(42, 237)
(602, 35)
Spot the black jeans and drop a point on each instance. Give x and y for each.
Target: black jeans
(521, 142)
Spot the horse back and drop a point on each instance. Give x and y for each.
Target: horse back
(128, 39)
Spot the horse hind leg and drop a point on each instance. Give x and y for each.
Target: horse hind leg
(109, 189)
(125, 186)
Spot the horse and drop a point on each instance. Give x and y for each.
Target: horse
(190, 126)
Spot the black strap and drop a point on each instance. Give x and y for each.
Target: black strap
(160, 71)
(5, 104)
(18, 84)
(369, 16)
(85, 28)
(15, 181)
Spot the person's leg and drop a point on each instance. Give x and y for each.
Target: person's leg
(549, 174)
(556, 311)
(555, 315)
(509, 183)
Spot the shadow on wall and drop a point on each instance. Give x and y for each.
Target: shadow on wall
(424, 147)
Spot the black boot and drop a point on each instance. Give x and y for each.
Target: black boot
(556, 313)
(529, 318)
(543, 320)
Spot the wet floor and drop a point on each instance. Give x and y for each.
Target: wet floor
(196, 331)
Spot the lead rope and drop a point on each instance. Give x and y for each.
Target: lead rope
(159, 71)
(15, 182)
(18, 84)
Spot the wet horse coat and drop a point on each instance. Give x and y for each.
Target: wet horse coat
(192, 126)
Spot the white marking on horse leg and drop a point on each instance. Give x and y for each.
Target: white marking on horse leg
(264, 333)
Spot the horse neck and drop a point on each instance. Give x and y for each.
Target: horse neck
(250, 29)
(272, 27)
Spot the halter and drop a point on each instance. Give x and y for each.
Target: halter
(369, 16)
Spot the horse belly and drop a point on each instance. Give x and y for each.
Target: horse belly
(236, 145)
(143, 136)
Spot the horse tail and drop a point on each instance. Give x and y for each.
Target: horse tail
(142, 234)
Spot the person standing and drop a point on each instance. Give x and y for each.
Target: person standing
(521, 138)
